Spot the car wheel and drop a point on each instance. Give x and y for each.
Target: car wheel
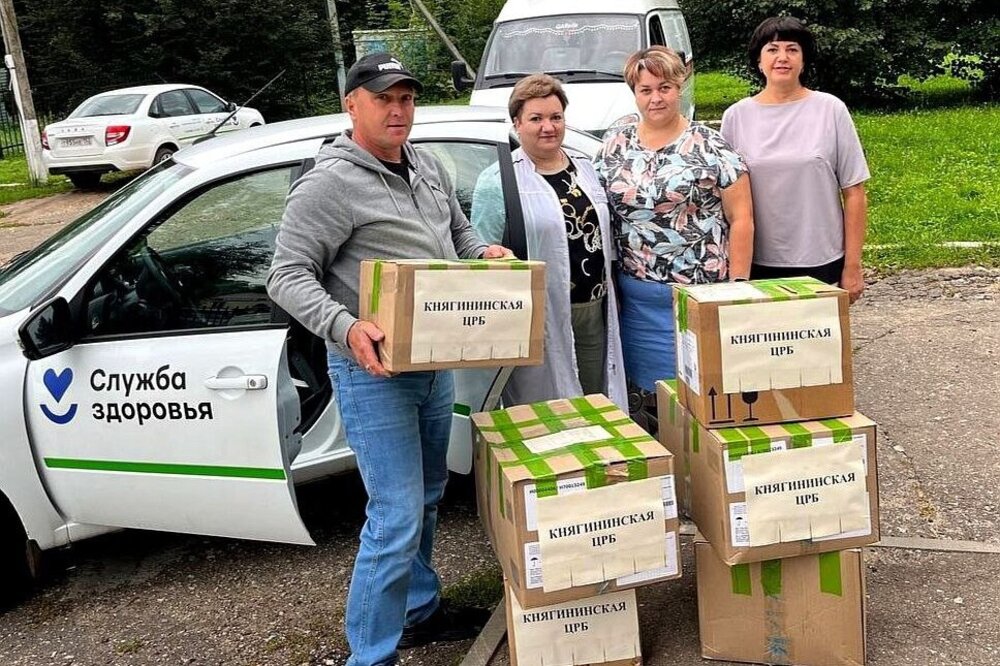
(163, 154)
(85, 180)
(15, 572)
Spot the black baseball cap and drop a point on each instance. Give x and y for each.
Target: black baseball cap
(378, 72)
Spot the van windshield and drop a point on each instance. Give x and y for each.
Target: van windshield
(591, 47)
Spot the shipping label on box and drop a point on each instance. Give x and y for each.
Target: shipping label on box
(799, 610)
(766, 351)
(596, 630)
(672, 431)
(577, 499)
(455, 314)
(780, 490)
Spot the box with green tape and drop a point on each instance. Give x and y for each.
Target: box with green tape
(672, 430)
(577, 499)
(602, 630)
(785, 490)
(766, 351)
(799, 610)
(455, 314)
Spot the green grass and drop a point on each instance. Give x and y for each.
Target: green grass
(15, 184)
(934, 172)
(484, 589)
(715, 91)
(934, 180)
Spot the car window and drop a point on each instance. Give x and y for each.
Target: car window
(594, 43)
(202, 266)
(656, 37)
(108, 105)
(676, 32)
(475, 175)
(173, 103)
(30, 277)
(206, 102)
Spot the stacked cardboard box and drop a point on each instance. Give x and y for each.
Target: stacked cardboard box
(579, 505)
(455, 314)
(780, 472)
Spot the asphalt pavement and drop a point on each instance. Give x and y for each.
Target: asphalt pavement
(927, 370)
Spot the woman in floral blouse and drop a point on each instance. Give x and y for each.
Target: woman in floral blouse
(682, 211)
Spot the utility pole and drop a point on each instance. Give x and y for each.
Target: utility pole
(338, 48)
(14, 62)
(440, 33)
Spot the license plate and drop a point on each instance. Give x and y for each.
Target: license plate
(76, 141)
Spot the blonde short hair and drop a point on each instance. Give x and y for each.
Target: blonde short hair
(659, 61)
(534, 86)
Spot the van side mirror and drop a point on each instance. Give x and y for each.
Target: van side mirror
(460, 76)
(47, 331)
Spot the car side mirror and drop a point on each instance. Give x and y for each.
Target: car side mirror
(460, 76)
(230, 106)
(47, 331)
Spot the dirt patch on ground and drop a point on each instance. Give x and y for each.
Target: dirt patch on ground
(25, 224)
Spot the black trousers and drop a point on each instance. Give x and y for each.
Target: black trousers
(829, 273)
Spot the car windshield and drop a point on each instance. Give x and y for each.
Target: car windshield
(593, 46)
(108, 105)
(32, 275)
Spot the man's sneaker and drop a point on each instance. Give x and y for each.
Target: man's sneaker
(450, 622)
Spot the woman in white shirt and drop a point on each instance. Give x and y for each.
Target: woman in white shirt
(567, 223)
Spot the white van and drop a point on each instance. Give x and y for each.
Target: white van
(584, 43)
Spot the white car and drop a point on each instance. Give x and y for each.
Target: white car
(135, 128)
(147, 381)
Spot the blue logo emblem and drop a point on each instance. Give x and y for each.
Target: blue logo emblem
(58, 384)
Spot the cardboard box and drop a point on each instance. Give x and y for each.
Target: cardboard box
(767, 351)
(801, 610)
(597, 630)
(576, 498)
(818, 509)
(455, 314)
(674, 424)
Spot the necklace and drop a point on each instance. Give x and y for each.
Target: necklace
(552, 166)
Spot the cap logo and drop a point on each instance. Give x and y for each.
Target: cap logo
(392, 64)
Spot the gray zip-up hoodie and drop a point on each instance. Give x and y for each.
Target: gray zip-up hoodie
(347, 208)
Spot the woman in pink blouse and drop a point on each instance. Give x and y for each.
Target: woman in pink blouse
(808, 168)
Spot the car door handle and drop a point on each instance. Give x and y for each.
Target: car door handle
(244, 382)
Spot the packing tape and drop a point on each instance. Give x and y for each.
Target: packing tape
(770, 577)
(740, 575)
(681, 297)
(804, 287)
(841, 431)
(376, 287)
(745, 441)
(801, 438)
(830, 581)
(773, 290)
(594, 467)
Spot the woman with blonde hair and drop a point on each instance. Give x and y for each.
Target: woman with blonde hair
(682, 213)
(567, 223)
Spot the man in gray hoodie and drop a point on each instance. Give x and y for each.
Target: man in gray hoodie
(371, 195)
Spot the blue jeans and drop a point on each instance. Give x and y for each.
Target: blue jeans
(646, 319)
(399, 430)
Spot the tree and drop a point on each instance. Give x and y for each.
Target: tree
(864, 45)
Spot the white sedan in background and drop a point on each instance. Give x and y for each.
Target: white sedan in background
(147, 380)
(135, 128)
